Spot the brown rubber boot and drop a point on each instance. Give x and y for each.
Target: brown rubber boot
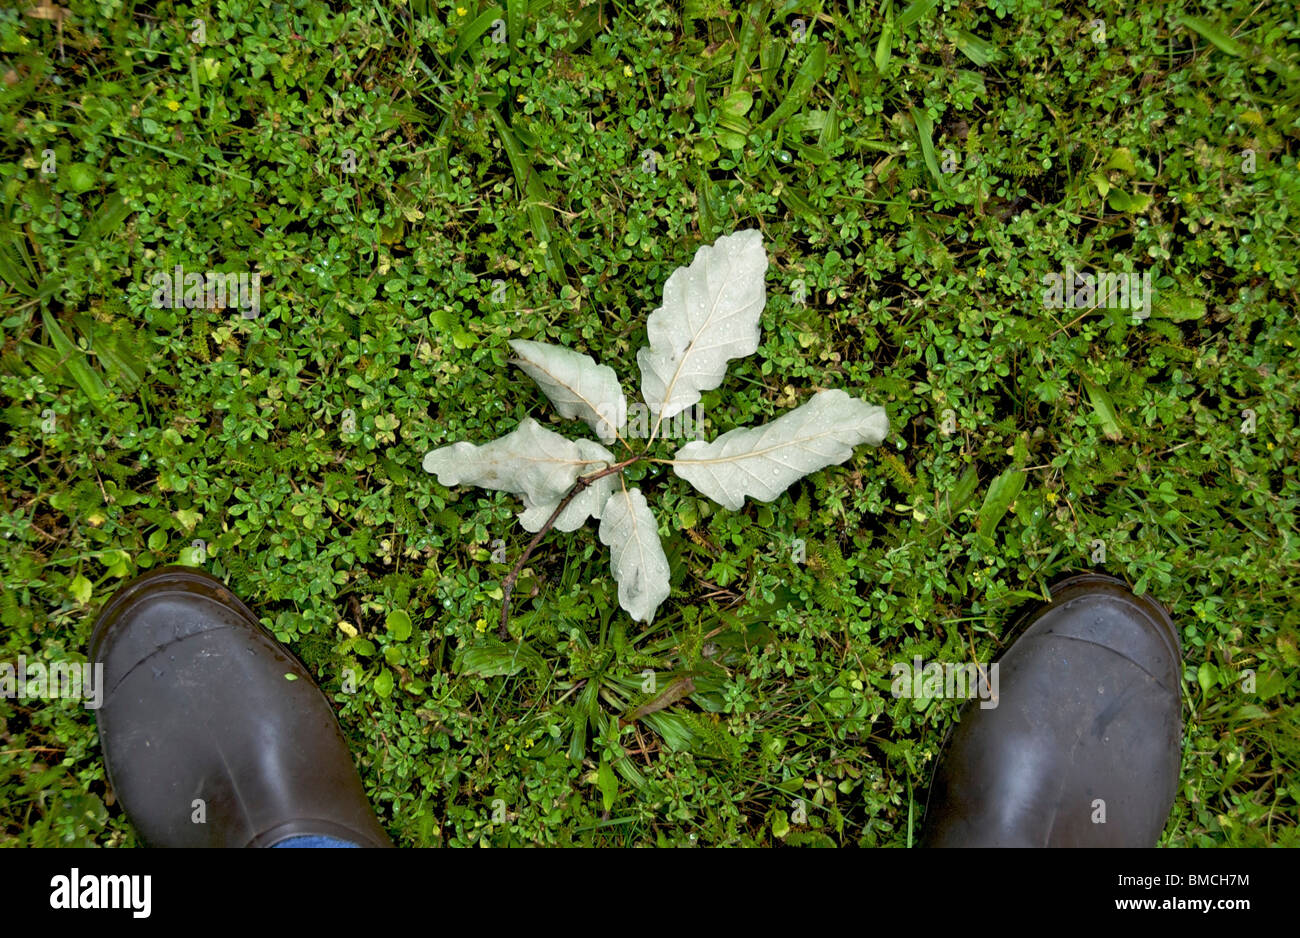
(1082, 749)
(214, 735)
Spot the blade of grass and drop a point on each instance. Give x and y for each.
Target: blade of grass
(885, 44)
(980, 51)
(534, 196)
(1002, 492)
(801, 88)
(748, 44)
(1104, 409)
(516, 15)
(913, 14)
(474, 31)
(1214, 35)
(75, 362)
(925, 132)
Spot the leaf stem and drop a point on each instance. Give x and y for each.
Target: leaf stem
(508, 586)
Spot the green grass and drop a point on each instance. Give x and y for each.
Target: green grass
(1022, 435)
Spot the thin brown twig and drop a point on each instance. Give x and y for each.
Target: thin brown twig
(508, 586)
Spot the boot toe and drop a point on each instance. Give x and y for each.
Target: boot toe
(213, 733)
(1133, 627)
(1081, 747)
(157, 610)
